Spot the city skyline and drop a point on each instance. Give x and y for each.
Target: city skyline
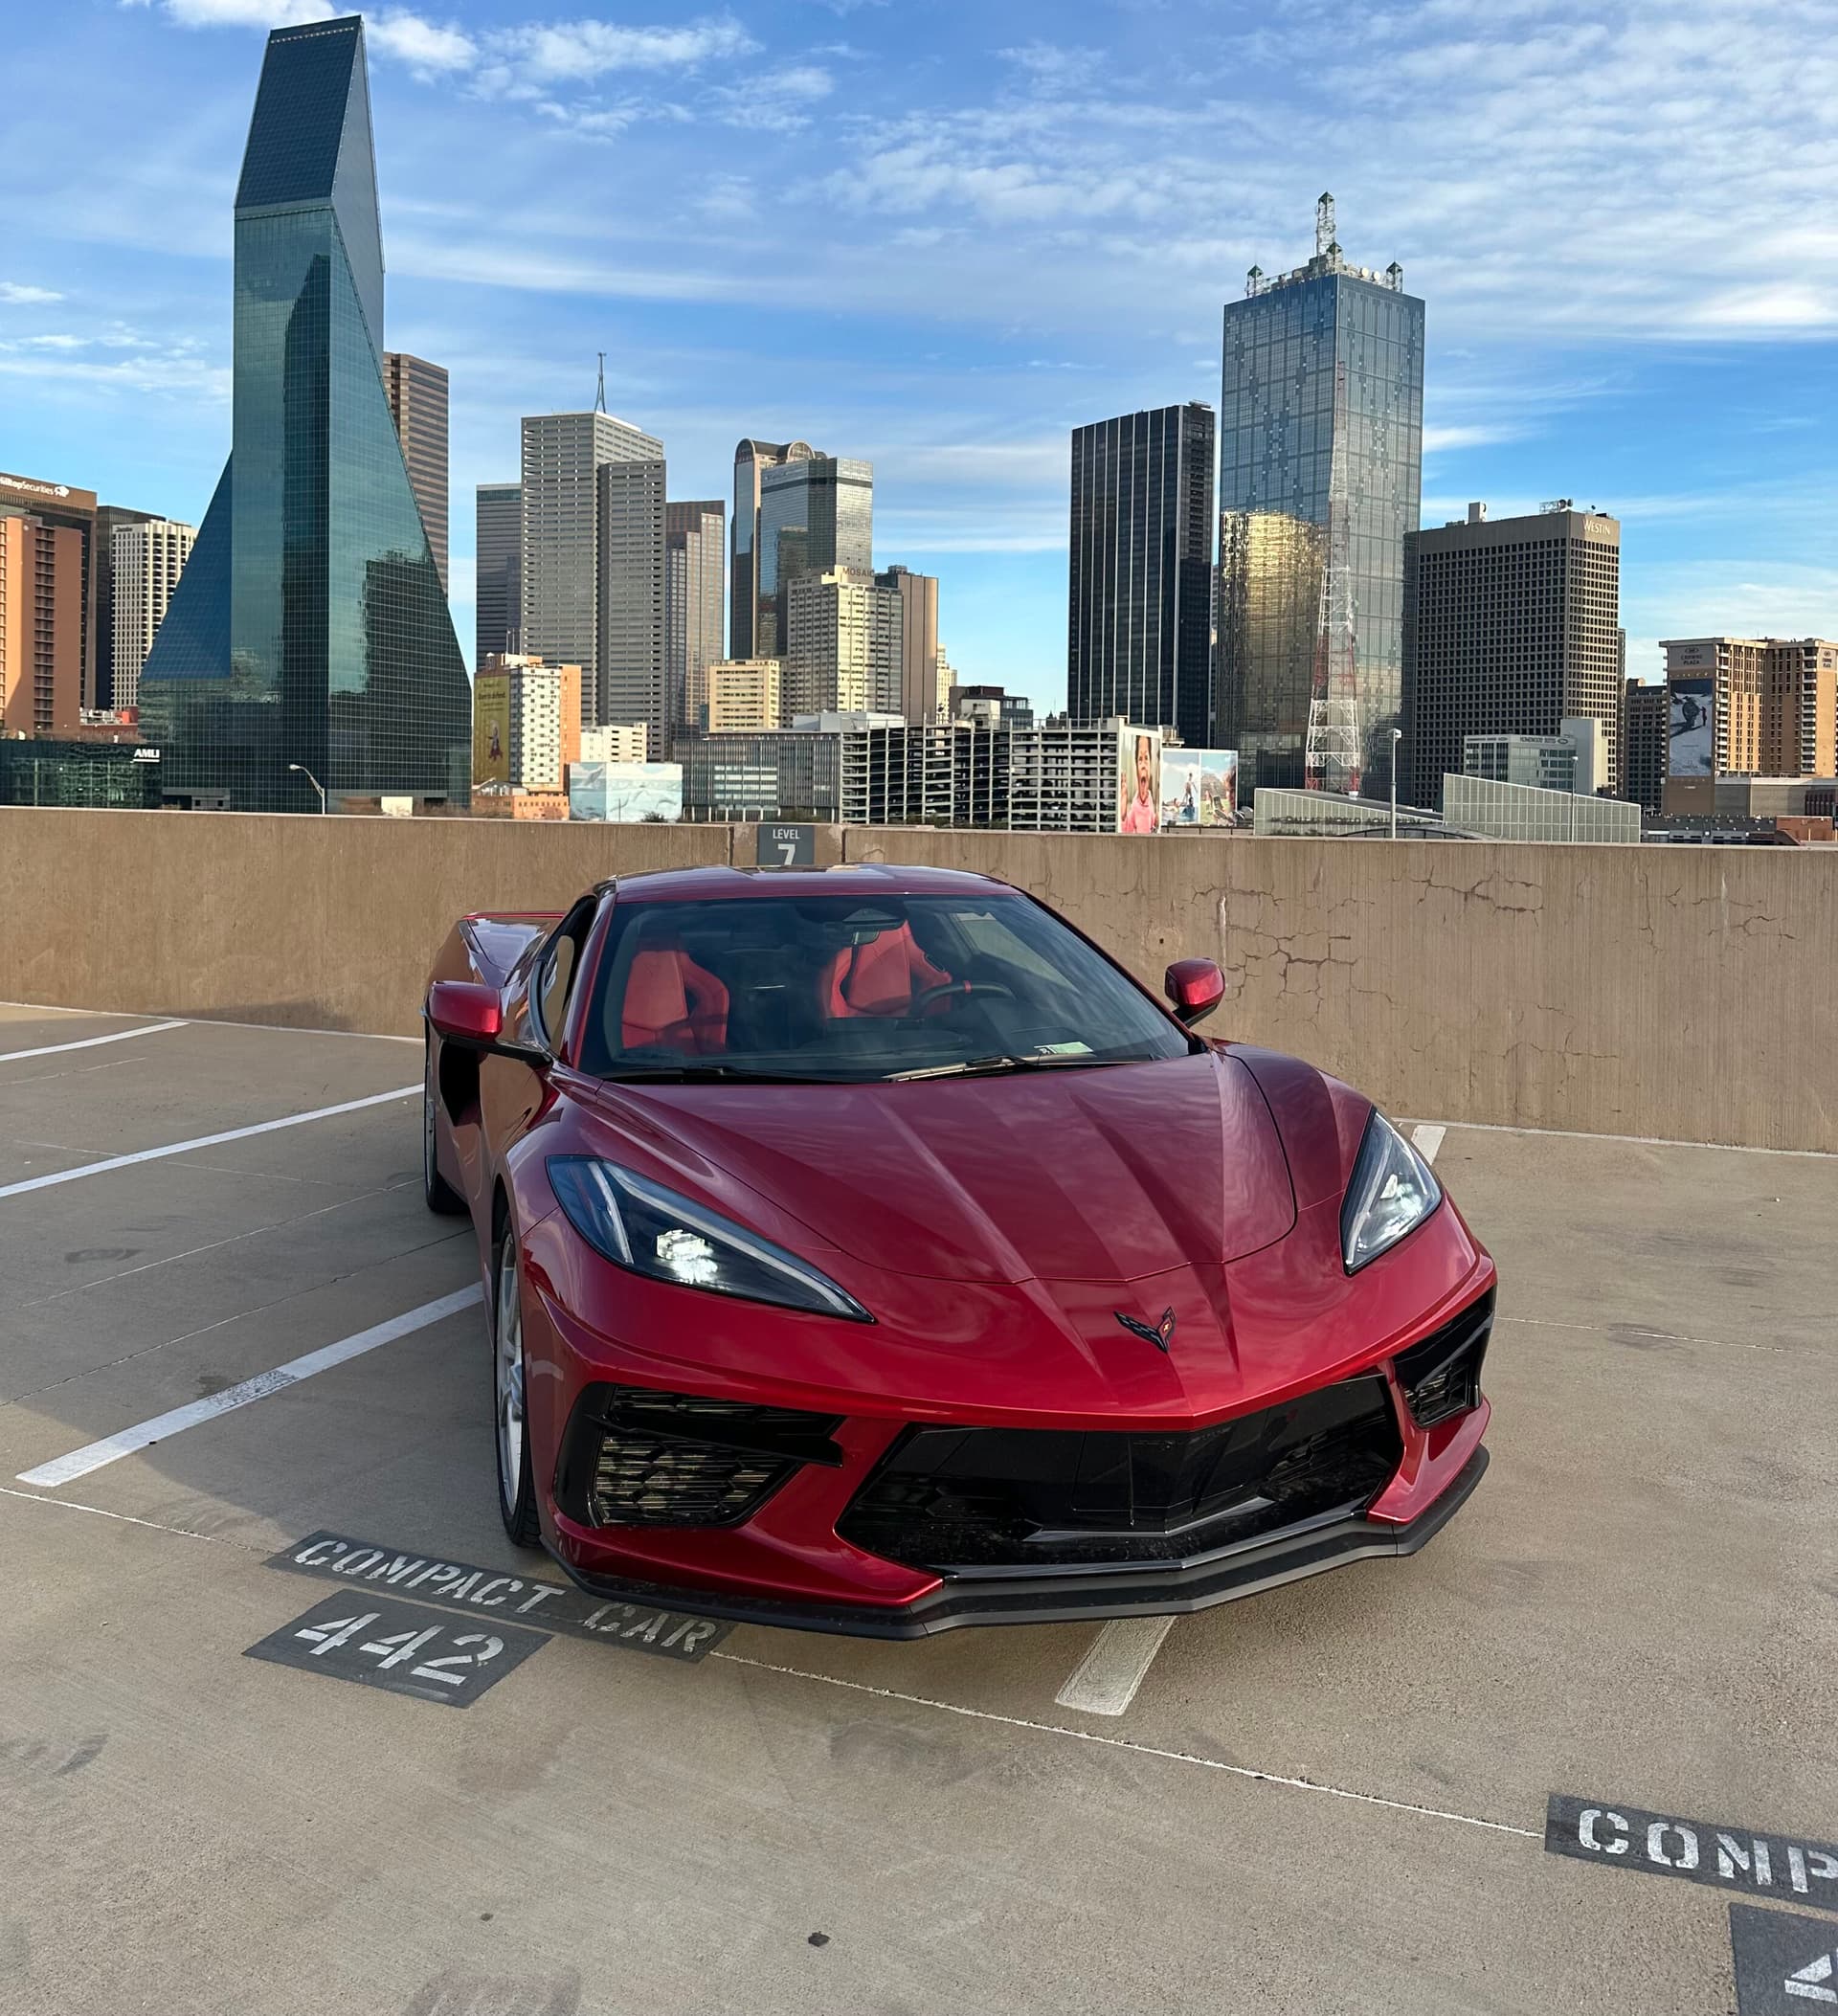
(960, 355)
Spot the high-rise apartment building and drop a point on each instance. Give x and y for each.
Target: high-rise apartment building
(526, 723)
(845, 634)
(563, 455)
(744, 693)
(309, 627)
(751, 461)
(99, 689)
(694, 562)
(1140, 574)
(498, 619)
(1509, 625)
(924, 673)
(631, 684)
(42, 626)
(1771, 705)
(418, 394)
(616, 741)
(805, 513)
(145, 561)
(1645, 721)
(63, 507)
(1320, 473)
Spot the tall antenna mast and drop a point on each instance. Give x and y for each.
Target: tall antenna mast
(1323, 224)
(599, 397)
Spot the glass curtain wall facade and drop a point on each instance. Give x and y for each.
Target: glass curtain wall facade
(694, 540)
(1321, 413)
(815, 516)
(1139, 628)
(311, 626)
(751, 461)
(498, 617)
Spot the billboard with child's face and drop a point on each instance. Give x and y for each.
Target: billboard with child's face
(1138, 780)
(1199, 787)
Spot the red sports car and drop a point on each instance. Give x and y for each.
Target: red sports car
(866, 1251)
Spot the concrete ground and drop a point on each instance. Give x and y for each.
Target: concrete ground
(1331, 1797)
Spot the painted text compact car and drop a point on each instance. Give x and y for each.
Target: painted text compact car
(865, 1251)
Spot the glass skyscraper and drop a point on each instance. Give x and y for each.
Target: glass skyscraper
(1139, 627)
(311, 626)
(795, 512)
(1320, 474)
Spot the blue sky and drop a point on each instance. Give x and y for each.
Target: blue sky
(940, 234)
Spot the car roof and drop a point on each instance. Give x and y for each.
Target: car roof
(865, 879)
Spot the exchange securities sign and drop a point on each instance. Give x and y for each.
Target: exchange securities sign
(1692, 749)
(1199, 787)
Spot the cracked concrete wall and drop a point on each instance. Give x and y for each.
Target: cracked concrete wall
(1678, 992)
(1682, 993)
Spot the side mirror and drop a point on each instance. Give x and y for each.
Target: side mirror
(463, 1012)
(1196, 987)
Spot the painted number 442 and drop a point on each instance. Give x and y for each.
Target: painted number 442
(397, 1649)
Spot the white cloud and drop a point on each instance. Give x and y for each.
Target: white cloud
(424, 45)
(579, 51)
(777, 100)
(15, 294)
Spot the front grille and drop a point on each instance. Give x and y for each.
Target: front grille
(966, 1499)
(637, 1457)
(1441, 1373)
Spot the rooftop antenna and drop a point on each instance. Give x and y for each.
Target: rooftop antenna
(599, 397)
(1323, 224)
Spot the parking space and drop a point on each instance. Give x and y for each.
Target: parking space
(1331, 1796)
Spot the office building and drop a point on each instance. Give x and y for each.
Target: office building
(845, 635)
(924, 673)
(744, 693)
(1140, 573)
(498, 543)
(806, 514)
(751, 461)
(121, 775)
(309, 627)
(42, 626)
(630, 682)
(145, 562)
(525, 723)
(1644, 723)
(1509, 625)
(695, 538)
(561, 544)
(1751, 707)
(64, 508)
(1574, 759)
(780, 773)
(417, 395)
(616, 741)
(1320, 472)
(100, 696)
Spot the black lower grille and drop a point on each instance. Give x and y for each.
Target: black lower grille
(1441, 1373)
(637, 1457)
(984, 1498)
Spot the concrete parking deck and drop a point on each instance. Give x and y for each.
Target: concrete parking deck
(1331, 1797)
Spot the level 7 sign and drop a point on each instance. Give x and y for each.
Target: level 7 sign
(399, 1647)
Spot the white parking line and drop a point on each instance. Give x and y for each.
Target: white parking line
(89, 1042)
(96, 1455)
(180, 1148)
(1426, 1140)
(1106, 1680)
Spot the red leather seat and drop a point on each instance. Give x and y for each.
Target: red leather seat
(672, 1003)
(881, 977)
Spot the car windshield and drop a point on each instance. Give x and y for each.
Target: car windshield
(838, 989)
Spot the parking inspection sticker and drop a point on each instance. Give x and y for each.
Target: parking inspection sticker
(1615, 1836)
(398, 1648)
(521, 1599)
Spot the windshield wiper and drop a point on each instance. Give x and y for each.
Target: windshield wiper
(703, 1073)
(984, 1066)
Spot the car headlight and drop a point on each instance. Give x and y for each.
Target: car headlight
(640, 1224)
(1392, 1192)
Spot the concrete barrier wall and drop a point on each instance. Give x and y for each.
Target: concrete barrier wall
(1681, 993)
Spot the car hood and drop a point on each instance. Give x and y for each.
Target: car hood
(1108, 1174)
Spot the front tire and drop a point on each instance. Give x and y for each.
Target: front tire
(441, 1197)
(516, 1474)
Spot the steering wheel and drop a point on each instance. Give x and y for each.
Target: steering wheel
(961, 989)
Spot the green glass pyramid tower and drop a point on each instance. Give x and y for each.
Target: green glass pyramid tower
(309, 626)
